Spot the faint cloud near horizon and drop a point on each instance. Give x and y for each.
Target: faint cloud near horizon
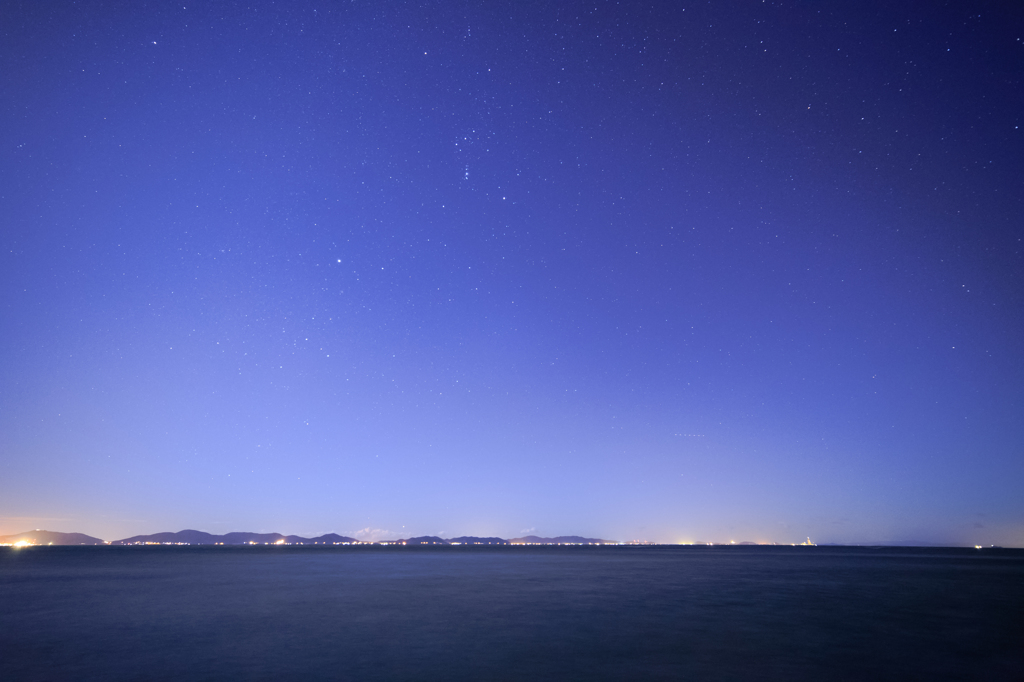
(527, 530)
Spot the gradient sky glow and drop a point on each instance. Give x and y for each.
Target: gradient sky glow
(666, 271)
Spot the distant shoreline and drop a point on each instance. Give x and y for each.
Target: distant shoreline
(197, 538)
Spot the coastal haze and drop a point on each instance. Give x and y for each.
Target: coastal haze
(660, 271)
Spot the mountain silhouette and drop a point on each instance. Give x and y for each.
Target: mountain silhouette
(198, 537)
(49, 537)
(425, 540)
(560, 540)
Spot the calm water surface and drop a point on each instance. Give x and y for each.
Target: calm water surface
(510, 613)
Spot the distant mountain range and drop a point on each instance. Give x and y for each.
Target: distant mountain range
(462, 540)
(472, 540)
(198, 537)
(49, 537)
(560, 540)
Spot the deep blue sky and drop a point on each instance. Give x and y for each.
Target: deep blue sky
(666, 271)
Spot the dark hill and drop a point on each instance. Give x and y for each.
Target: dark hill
(330, 539)
(241, 538)
(190, 537)
(49, 537)
(426, 540)
(198, 537)
(473, 540)
(560, 540)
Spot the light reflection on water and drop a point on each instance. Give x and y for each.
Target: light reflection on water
(510, 613)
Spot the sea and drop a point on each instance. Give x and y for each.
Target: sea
(495, 613)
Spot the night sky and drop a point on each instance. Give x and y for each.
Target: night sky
(663, 271)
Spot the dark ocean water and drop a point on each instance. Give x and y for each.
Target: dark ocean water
(510, 613)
